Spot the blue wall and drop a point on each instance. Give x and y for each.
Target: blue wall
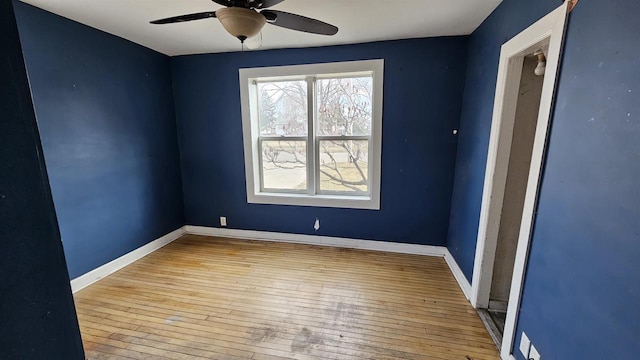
(106, 117)
(581, 293)
(510, 18)
(105, 112)
(422, 99)
(37, 315)
(582, 289)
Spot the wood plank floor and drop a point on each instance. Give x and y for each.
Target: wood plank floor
(212, 298)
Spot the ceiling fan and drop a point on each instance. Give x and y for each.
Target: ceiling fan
(245, 18)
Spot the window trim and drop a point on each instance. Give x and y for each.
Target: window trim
(250, 127)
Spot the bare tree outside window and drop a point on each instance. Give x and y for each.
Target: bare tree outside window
(283, 108)
(344, 110)
(344, 106)
(343, 128)
(283, 132)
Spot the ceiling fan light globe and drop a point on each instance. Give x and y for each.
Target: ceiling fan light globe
(240, 22)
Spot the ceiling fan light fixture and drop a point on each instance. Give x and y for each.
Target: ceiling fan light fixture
(240, 22)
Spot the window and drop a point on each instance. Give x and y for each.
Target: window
(312, 134)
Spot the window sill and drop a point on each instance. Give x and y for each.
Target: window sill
(332, 201)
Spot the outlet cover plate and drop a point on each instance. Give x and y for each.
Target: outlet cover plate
(223, 221)
(534, 354)
(525, 345)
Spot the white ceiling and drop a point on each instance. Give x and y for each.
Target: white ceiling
(358, 20)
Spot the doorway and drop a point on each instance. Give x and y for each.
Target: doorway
(524, 130)
(497, 199)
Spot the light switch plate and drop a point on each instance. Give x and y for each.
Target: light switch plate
(533, 353)
(525, 344)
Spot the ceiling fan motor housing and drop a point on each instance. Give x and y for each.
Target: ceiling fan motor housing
(240, 22)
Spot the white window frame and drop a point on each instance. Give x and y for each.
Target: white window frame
(251, 132)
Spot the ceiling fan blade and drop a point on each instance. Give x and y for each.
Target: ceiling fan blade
(268, 3)
(298, 22)
(248, 4)
(222, 2)
(188, 17)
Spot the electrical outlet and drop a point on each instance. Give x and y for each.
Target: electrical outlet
(223, 221)
(534, 354)
(525, 345)
(316, 225)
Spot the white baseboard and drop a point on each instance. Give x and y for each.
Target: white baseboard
(94, 275)
(319, 240)
(465, 286)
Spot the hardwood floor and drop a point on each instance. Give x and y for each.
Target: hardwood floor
(213, 298)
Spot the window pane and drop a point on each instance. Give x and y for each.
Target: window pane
(344, 106)
(284, 164)
(344, 165)
(282, 108)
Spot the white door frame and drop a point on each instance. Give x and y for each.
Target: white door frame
(548, 30)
